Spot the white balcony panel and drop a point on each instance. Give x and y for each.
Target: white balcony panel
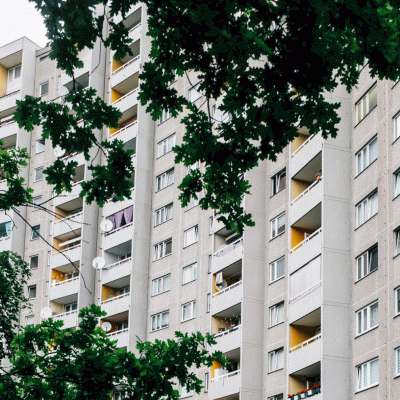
(121, 336)
(227, 256)
(305, 153)
(9, 129)
(228, 340)
(305, 304)
(306, 354)
(125, 71)
(135, 33)
(307, 200)
(112, 207)
(224, 386)
(74, 254)
(126, 133)
(5, 243)
(230, 296)
(74, 222)
(70, 319)
(118, 18)
(78, 157)
(116, 305)
(64, 289)
(127, 101)
(64, 197)
(8, 101)
(77, 71)
(116, 271)
(3, 185)
(310, 249)
(118, 236)
(217, 225)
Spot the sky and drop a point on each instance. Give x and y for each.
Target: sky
(20, 18)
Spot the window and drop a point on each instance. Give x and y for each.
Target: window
(209, 263)
(40, 145)
(190, 236)
(37, 201)
(188, 310)
(166, 145)
(396, 126)
(192, 167)
(165, 179)
(397, 242)
(5, 229)
(163, 214)
(31, 292)
(161, 285)
(367, 262)
(14, 73)
(277, 397)
(159, 321)
(366, 104)
(208, 302)
(278, 182)
(124, 290)
(277, 269)
(164, 116)
(183, 392)
(192, 203)
(30, 320)
(162, 249)
(278, 225)
(194, 93)
(396, 182)
(34, 262)
(122, 325)
(206, 381)
(44, 89)
(275, 360)
(367, 318)
(48, 257)
(367, 155)
(38, 174)
(35, 232)
(189, 273)
(368, 374)
(276, 314)
(71, 307)
(397, 301)
(397, 357)
(367, 208)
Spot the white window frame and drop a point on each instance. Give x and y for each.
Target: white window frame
(363, 317)
(206, 381)
(161, 248)
(195, 229)
(165, 179)
(30, 261)
(159, 321)
(71, 306)
(11, 73)
(396, 183)
(194, 94)
(364, 104)
(397, 241)
(40, 146)
(273, 270)
(209, 263)
(42, 85)
(274, 225)
(122, 325)
(396, 126)
(163, 214)
(37, 200)
(192, 203)
(32, 288)
(192, 268)
(367, 208)
(161, 285)
(397, 361)
(273, 360)
(363, 263)
(275, 312)
(397, 300)
(364, 370)
(166, 145)
(30, 317)
(208, 302)
(364, 155)
(33, 230)
(40, 169)
(165, 114)
(278, 182)
(124, 290)
(192, 308)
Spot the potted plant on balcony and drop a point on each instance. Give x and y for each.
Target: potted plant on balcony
(303, 394)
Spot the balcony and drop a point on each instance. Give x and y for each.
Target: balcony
(81, 74)
(121, 336)
(308, 302)
(8, 129)
(125, 71)
(70, 319)
(8, 103)
(305, 153)
(3, 185)
(116, 270)
(229, 339)
(314, 392)
(78, 157)
(135, 9)
(226, 298)
(68, 224)
(224, 385)
(65, 197)
(116, 305)
(64, 289)
(73, 253)
(305, 202)
(117, 236)
(227, 255)
(127, 101)
(304, 354)
(126, 133)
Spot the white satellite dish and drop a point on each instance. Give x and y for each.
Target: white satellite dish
(58, 151)
(106, 225)
(46, 312)
(99, 263)
(106, 326)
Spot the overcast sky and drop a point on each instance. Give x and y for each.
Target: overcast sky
(20, 18)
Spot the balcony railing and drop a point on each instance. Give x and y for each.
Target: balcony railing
(305, 343)
(227, 331)
(229, 374)
(318, 231)
(117, 332)
(117, 263)
(126, 64)
(69, 218)
(9, 94)
(303, 145)
(124, 97)
(7, 123)
(304, 193)
(118, 229)
(227, 289)
(228, 248)
(115, 298)
(76, 183)
(68, 248)
(122, 129)
(65, 281)
(306, 393)
(57, 316)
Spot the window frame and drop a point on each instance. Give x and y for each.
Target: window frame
(366, 96)
(274, 225)
(41, 88)
(273, 182)
(361, 257)
(192, 309)
(193, 274)
(160, 144)
(397, 301)
(276, 397)
(362, 203)
(163, 178)
(397, 361)
(196, 230)
(35, 174)
(208, 302)
(160, 315)
(396, 241)
(192, 203)
(206, 381)
(43, 143)
(274, 265)
(193, 91)
(13, 73)
(275, 308)
(367, 146)
(396, 117)
(270, 359)
(155, 284)
(33, 230)
(163, 214)
(164, 247)
(32, 316)
(165, 115)
(359, 370)
(396, 183)
(35, 208)
(32, 288)
(30, 262)
(360, 323)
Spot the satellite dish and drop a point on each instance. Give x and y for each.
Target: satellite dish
(106, 326)
(106, 225)
(58, 151)
(46, 312)
(98, 262)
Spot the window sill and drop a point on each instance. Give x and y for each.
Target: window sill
(186, 320)
(159, 123)
(39, 180)
(191, 208)
(365, 276)
(191, 244)
(395, 83)
(365, 332)
(277, 236)
(395, 140)
(160, 329)
(164, 154)
(369, 219)
(273, 326)
(165, 291)
(162, 257)
(155, 226)
(277, 192)
(396, 255)
(35, 239)
(369, 387)
(186, 283)
(276, 280)
(275, 370)
(39, 152)
(365, 168)
(397, 315)
(158, 191)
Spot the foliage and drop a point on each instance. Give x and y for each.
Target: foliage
(84, 364)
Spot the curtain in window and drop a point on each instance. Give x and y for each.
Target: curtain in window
(118, 219)
(112, 219)
(168, 213)
(373, 150)
(374, 365)
(280, 266)
(279, 359)
(374, 314)
(279, 313)
(398, 242)
(154, 322)
(398, 360)
(281, 224)
(8, 228)
(186, 311)
(374, 205)
(397, 183)
(164, 319)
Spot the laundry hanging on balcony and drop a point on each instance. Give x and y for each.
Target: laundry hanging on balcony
(121, 218)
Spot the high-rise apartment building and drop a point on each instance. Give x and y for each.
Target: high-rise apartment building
(303, 304)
